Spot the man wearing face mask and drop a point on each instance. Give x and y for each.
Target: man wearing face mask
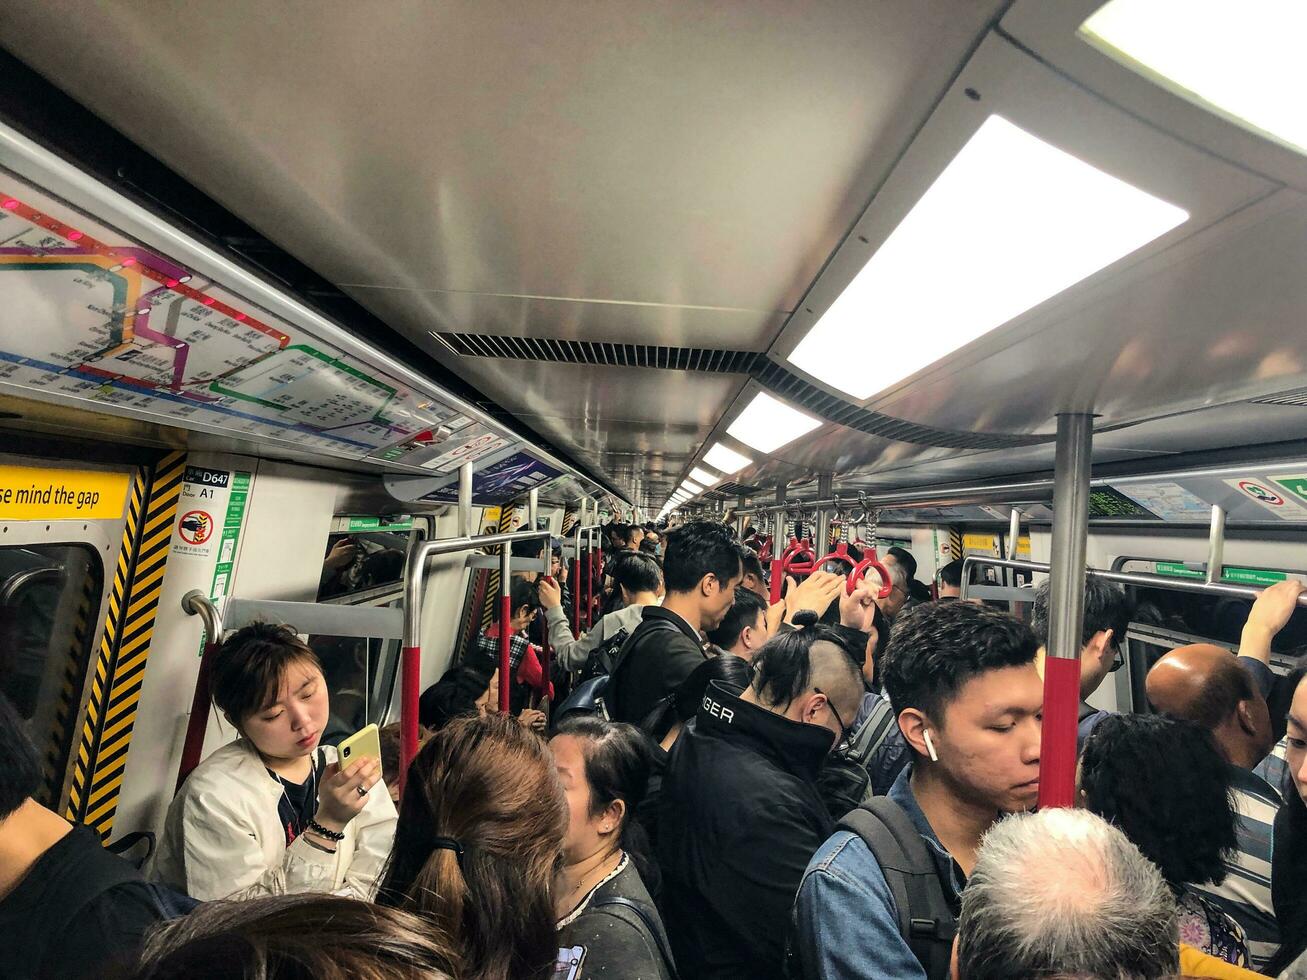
(740, 814)
(962, 681)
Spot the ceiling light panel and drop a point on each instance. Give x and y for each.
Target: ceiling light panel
(767, 423)
(1011, 222)
(700, 475)
(725, 459)
(1239, 58)
(691, 486)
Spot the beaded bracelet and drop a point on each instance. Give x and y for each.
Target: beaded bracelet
(324, 833)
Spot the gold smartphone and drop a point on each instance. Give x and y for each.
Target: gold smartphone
(365, 743)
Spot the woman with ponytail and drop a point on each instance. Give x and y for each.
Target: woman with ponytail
(608, 925)
(479, 840)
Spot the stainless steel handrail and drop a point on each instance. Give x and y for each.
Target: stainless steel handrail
(196, 603)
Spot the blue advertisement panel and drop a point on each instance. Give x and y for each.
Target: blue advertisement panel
(507, 479)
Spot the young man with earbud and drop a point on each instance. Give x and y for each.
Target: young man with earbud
(968, 699)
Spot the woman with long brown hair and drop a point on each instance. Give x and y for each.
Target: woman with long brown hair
(479, 841)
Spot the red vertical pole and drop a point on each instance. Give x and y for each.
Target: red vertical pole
(410, 681)
(1057, 750)
(776, 576)
(576, 595)
(589, 588)
(546, 656)
(505, 663)
(199, 720)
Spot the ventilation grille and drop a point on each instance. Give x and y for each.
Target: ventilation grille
(766, 372)
(730, 491)
(1297, 396)
(601, 354)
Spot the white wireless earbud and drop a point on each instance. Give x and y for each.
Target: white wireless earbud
(930, 746)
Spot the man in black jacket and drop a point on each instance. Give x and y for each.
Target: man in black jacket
(70, 908)
(740, 815)
(700, 570)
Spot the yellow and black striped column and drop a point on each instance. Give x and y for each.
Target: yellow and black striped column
(125, 646)
(955, 541)
(488, 610)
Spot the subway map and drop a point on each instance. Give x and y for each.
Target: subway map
(85, 313)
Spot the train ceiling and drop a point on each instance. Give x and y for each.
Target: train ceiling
(621, 221)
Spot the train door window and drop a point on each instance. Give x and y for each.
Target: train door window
(360, 673)
(364, 563)
(49, 600)
(1165, 619)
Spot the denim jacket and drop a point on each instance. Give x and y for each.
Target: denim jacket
(846, 925)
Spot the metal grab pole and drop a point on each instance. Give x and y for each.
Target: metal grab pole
(196, 603)
(465, 499)
(1216, 545)
(589, 579)
(1071, 466)
(411, 664)
(505, 615)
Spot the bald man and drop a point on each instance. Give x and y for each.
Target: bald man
(1226, 695)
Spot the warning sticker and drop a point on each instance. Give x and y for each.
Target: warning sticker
(1295, 483)
(30, 493)
(1276, 501)
(195, 527)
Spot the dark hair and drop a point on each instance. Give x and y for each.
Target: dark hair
(935, 648)
(751, 564)
(951, 574)
(1289, 854)
(618, 763)
(533, 548)
(636, 571)
(904, 557)
(683, 703)
(782, 669)
(1107, 607)
(489, 786)
(454, 695)
(251, 664)
(523, 592)
(648, 547)
(697, 549)
(295, 937)
(1220, 694)
(743, 613)
(20, 776)
(632, 530)
(1167, 786)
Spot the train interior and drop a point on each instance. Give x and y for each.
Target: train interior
(276, 310)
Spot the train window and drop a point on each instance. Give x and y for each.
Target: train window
(49, 599)
(363, 563)
(360, 673)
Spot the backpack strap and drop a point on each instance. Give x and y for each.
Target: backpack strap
(926, 920)
(873, 731)
(646, 627)
(640, 910)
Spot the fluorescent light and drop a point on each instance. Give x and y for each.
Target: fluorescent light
(700, 475)
(1239, 58)
(767, 424)
(693, 487)
(1011, 221)
(725, 459)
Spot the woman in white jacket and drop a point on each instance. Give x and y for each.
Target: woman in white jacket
(272, 813)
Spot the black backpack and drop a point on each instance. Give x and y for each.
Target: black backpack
(603, 658)
(844, 781)
(927, 918)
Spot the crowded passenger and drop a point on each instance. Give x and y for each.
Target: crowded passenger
(743, 630)
(70, 908)
(701, 569)
(1289, 853)
(950, 580)
(1107, 612)
(740, 814)
(1165, 785)
(468, 689)
(524, 661)
(968, 701)
(607, 922)
(917, 591)
(1063, 893)
(480, 836)
(273, 812)
(755, 580)
(900, 590)
(295, 937)
(640, 582)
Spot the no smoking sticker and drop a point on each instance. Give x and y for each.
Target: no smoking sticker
(195, 527)
(1271, 497)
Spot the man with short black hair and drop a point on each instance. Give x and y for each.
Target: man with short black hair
(754, 579)
(950, 580)
(639, 580)
(701, 569)
(743, 631)
(969, 701)
(1108, 611)
(1063, 893)
(900, 590)
(68, 906)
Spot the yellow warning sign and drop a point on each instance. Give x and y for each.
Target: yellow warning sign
(32, 493)
(980, 544)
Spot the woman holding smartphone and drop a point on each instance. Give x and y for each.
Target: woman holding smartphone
(273, 813)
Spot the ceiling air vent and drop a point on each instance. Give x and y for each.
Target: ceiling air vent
(557, 351)
(1295, 396)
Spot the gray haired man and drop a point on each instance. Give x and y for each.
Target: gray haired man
(1063, 893)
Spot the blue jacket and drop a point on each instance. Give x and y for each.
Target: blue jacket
(846, 925)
